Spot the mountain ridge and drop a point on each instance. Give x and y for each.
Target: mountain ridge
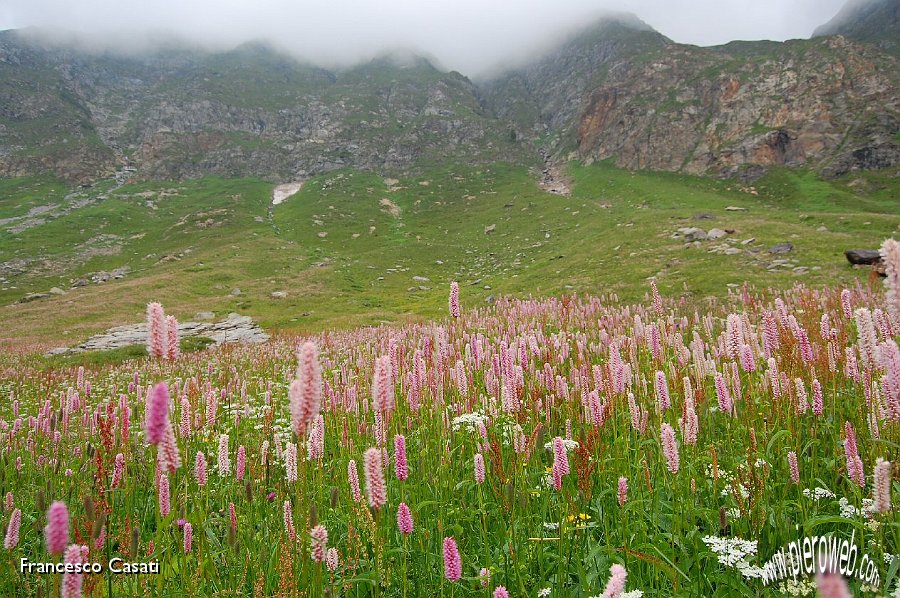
(616, 89)
(871, 21)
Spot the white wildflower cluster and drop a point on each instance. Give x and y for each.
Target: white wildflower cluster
(851, 512)
(552, 525)
(798, 587)
(818, 494)
(470, 421)
(570, 445)
(889, 558)
(733, 552)
(745, 494)
(724, 476)
(543, 592)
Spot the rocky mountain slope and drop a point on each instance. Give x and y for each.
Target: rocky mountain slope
(627, 93)
(617, 90)
(251, 111)
(872, 21)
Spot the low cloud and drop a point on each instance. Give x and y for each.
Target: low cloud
(470, 36)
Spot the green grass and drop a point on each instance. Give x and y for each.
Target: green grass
(111, 357)
(190, 246)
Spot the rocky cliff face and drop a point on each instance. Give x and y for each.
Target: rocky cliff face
(618, 90)
(249, 112)
(830, 104)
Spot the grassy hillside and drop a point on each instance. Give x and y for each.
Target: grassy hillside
(348, 248)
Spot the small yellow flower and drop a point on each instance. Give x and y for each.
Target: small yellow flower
(580, 517)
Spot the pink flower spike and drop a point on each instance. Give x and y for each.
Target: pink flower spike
(616, 584)
(383, 386)
(200, 469)
(454, 299)
(56, 534)
(375, 486)
(623, 491)
(353, 480)
(832, 585)
(305, 393)
(331, 559)
(118, 471)
(71, 582)
(400, 465)
(289, 521)
(882, 485)
(479, 468)
(669, 447)
(157, 331)
(173, 351)
(12, 530)
(662, 391)
(241, 463)
(795, 470)
(188, 536)
(164, 502)
(319, 543)
(452, 561)
(157, 416)
(404, 519)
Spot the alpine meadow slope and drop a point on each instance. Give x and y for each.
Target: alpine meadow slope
(134, 175)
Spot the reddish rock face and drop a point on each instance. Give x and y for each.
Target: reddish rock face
(703, 111)
(596, 117)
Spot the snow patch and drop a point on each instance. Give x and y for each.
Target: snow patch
(282, 192)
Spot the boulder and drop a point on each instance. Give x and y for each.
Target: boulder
(233, 329)
(716, 233)
(863, 257)
(691, 234)
(781, 248)
(33, 297)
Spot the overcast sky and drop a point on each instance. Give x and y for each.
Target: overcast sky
(465, 35)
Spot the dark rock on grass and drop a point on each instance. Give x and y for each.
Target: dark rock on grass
(863, 257)
(33, 297)
(781, 248)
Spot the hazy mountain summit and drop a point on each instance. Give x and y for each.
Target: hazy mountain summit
(614, 90)
(873, 21)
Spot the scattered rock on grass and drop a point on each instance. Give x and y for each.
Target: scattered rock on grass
(781, 248)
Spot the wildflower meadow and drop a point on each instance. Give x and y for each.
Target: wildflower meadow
(571, 446)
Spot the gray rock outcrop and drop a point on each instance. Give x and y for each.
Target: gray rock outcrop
(233, 329)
